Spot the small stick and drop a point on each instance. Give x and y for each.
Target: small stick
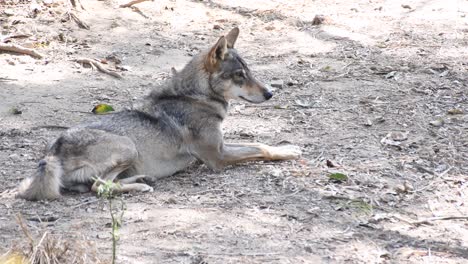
(96, 64)
(5, 39)
(78, 21)
(431, 219)
(3, 79)
(134, 2)
(137, 10)
(21, 50)
(85, 203)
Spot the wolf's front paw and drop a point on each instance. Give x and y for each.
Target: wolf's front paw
(146, 188)
(286, 152)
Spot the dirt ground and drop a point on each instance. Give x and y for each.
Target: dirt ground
(377, 92)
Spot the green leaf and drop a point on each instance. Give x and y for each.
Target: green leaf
(15, 111)
(102, 109)
(281, 106)
(339, 177)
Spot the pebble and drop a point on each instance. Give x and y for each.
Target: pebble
(277, 83)
(437, 122)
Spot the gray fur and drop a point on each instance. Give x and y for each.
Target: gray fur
(45, 184)
(178, 122)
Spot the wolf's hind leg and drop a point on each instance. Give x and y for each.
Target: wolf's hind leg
(135, 187)
(91, 155)
(79, 188)
(132, 179)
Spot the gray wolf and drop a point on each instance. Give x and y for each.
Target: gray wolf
(177, 123)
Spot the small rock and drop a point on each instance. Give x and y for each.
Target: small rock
(276, 173)
(406, 6)
(398, 136)
(404, 188)
(391, 74)
(330, 164)
(318, 20)
(368, 123)
(394, 138)
(217, 27)
(379, 119)
(9, 12)
(277, 83)
(14, 157)
(437, 123)
(171, 201)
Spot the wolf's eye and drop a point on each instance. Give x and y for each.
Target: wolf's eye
(239, 74)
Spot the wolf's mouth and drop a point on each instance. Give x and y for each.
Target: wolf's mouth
(250, 101)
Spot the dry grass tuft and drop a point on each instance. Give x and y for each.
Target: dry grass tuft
(48, 248)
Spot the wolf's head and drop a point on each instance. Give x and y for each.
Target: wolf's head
(229, 75)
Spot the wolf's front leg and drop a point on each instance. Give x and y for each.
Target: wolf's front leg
(219, 156)
(238, 152)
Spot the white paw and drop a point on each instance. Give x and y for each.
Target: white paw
(147, 188)
(286, 152)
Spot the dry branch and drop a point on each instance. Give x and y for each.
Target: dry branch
(134, 2)
(20, 50)
(96, 64)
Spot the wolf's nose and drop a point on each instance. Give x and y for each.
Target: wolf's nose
(267, 95)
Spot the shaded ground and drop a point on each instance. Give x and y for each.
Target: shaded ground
(371, 69)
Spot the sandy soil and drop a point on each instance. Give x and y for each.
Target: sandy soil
(373, 71)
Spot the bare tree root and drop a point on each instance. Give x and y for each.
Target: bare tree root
(134, 2)
(97, 65)
(20, 50)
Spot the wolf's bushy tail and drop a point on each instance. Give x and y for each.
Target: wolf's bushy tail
(45, 183)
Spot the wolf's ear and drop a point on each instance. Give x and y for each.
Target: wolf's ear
(231, 37)
(216, 54)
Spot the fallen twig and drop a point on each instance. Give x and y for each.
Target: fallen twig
(96, 64)
(4, 79)
(137, 10)
(85, 203)
(422, 221)
(5, 39)
(49, 127)
(22, 50)
(134, 2)
(439, 218)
